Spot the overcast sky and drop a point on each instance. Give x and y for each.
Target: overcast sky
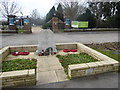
(43, 6)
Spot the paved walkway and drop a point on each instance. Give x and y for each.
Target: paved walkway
(49, 69)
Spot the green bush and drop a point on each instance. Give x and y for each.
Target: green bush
(46, 26)
(18, 64)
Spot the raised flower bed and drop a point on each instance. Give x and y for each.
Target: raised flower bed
(18, 72)
(101, 64)
(74, 59)
(19, 64)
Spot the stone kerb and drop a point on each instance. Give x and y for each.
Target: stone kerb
(104, 64)
(29, 48)
(7, 50)
(18, 78)
(4, 53)
(61, 46)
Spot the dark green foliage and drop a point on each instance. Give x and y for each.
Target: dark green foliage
(59, 12)
(18, 64)
(114, 21)
(53, 12)
(75, 59)
(50, 14)
(88, 16)
(107, 14)
(118, 7)
(47, 26)
(106, 9)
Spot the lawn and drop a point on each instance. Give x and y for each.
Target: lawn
(75, 59)
(110, 54)
(18, 64)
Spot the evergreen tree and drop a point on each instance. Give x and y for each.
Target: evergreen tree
(114, 21)
(96, 9)
(106, 13)
(88, 16)
(50, 14)
(59, 12)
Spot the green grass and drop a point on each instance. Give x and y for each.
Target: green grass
(21, 30)
(18, 64)
(61, 30)
(75, 59)
(110, 54)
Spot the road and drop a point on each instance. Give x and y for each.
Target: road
(82, 37)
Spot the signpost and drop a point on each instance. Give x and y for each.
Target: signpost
(79, 24)
(67, 21)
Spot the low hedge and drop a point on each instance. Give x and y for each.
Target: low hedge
(46, 26)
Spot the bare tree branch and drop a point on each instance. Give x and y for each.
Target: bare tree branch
(72, 8)
(9, 7)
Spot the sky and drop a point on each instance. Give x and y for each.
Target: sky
(43, 6)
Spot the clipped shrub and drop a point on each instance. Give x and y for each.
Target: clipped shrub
(46, 26)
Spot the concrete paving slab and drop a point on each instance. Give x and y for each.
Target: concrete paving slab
(61, 75)
(42, 63)
(46, 70)
(43, 69)
(53, 61)
(46, 77)
(56, 67)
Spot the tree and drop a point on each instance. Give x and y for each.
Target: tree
(88, 16)
(8, 7)
(104, 12)
(118, 7)
(59, 12)
(96, 9)
(35, 18)
(72, 8)
(114, 21)
(50, 14)
(35, 14)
